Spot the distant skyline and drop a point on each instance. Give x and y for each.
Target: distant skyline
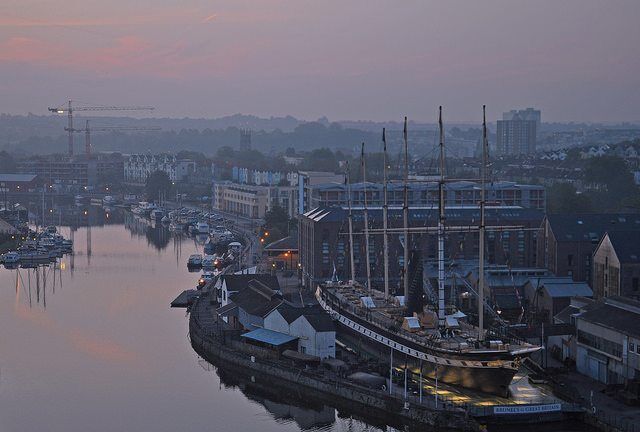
(575, 60)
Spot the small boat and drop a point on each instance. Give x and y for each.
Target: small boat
(202, 228)
(11, 257)
(209, 248)
(39, 255)
(108, 201)
(194, 261)
(157, 214)
(210, 261)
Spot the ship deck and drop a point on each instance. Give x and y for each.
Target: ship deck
(383, 314)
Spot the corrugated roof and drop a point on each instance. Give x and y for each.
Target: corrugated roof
(613, 317)
(269, 337)
(562, 286)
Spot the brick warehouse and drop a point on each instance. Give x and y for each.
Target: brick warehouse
(324, 240)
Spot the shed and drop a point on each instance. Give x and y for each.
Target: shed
(271, 339)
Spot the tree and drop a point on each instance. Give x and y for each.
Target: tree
(277, 223)
(158, 182)
(563, 198)
(612, 180)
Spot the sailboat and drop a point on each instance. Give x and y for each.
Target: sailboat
(459, 354)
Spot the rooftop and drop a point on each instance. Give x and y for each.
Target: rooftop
(616, 313)
(315, 316)
(561, 286)
(626, 245)
(17, 177)
(285, 244)
(238, 282)
(591, 226)
(270, 337)
(427, 215)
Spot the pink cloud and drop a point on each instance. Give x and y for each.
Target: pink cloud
(125, 56)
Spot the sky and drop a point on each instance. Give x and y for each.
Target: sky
(576, 60)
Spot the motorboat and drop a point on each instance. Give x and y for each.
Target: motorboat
(157, 214)
(202, 228)
(210, 261)
(108, 201)
(194, 261)
(11, 257)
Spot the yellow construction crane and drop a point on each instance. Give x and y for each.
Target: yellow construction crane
(69, 110)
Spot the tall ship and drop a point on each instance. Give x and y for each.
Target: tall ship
(441, 346)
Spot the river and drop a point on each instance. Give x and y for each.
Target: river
(93, 345)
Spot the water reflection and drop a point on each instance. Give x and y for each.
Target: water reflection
(308, 410)
(157, 235)
(32, 283)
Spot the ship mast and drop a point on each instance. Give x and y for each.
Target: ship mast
(405, 213)
(352, 262)
(441, 222)
(483, 175)
(366, 218)
(385, 209)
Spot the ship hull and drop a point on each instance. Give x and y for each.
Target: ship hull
(487, 375)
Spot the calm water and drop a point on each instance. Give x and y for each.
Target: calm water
(94, 346)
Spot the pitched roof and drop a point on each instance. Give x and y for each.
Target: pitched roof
(238, 282)
(289, 313)
(626, 244)
(315, 316)
(591, 226)
(319, 320)
(257, 299)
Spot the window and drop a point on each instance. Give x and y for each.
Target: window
(634, 284)
(631, 347)
(569, 260)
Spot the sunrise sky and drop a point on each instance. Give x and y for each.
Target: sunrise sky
(365, 59)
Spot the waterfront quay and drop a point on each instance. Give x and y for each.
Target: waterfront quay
(452, 408)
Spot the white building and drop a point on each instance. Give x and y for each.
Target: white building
(608, 340)
(139, 166)
(314, 329)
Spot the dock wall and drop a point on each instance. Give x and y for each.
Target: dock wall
(212, 348)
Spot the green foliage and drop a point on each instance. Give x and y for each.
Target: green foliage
(563, 198)
(158, 182)
(322, 159)
(7, 163)
(277, 224)
(612, 182)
